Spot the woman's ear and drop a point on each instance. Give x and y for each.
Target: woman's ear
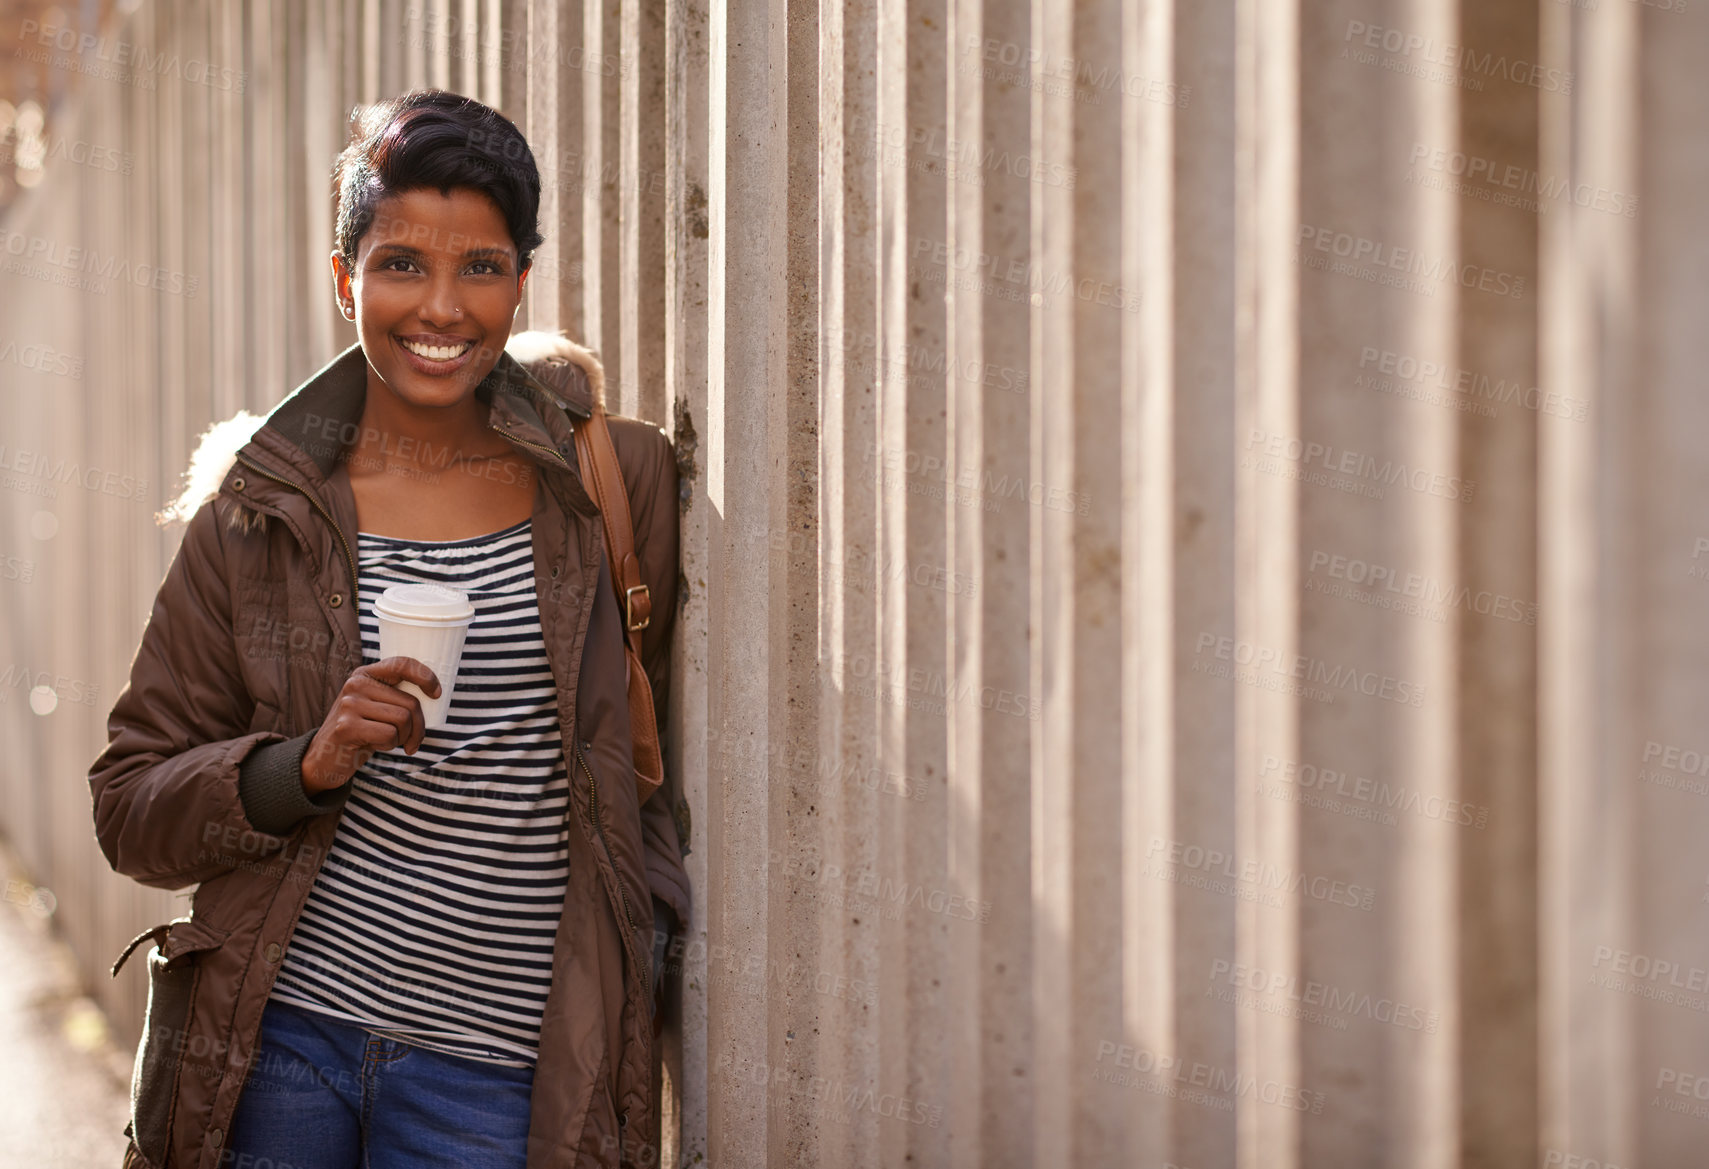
(341, 290)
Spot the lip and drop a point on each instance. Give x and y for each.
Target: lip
(435, 368)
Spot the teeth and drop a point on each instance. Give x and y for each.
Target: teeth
(435, 352)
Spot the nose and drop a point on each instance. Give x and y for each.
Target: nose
(439, 308)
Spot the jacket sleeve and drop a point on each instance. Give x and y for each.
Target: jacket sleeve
(650, 478)
(167, 808)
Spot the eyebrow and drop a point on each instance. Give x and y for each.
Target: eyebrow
(392, 250)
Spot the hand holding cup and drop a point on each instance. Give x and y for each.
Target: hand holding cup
(370, 714)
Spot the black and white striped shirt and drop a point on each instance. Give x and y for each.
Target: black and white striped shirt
(433, 916)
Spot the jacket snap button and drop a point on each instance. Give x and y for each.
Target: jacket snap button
(273, 951)
(337, 599)
(217, 1135)
(237, 483)
(554, 571)
(623, 1119)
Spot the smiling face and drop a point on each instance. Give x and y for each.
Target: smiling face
(434, 293)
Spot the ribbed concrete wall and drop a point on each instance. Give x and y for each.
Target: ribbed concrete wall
(1194, 560)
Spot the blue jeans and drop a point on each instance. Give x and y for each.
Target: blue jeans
(329, 1095)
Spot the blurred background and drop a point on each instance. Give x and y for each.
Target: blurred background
(1193, 548)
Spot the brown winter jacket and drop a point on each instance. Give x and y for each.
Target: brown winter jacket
(252, 636)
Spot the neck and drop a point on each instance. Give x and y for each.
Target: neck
(395, 433)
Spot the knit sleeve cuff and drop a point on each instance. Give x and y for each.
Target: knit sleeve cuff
(270, 785)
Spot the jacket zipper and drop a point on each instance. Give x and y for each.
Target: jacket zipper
(622, 893)
(556, 456)
(355, 595)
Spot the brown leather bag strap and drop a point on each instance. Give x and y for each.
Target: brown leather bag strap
(604, 475)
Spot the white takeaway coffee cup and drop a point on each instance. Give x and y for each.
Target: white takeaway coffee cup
(427, 622)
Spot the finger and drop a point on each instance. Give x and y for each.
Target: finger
(406, 669)
(417, 728)
(385, 723)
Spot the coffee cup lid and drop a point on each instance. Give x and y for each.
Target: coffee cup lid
(424, 602)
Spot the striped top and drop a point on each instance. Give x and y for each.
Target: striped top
(433, 916)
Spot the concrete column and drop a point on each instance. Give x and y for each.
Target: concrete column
(1621, 632)
(688, 747)
(640, 382)
(601, 68)
(752, 635)
(554, 126)
(985, 796)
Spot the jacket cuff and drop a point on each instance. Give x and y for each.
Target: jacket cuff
(270, 786)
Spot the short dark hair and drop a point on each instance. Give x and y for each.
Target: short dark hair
(433, 138)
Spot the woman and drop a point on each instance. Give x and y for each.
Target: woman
(407, 947)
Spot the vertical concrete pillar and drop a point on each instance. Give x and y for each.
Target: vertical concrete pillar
(598, 55)
(1622, 545)
(688, 746)
(554, 126)
(749, 618)
(985, 799)
(1267, 85)
(640, 384)
(847, 745)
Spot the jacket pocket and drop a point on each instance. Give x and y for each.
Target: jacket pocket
(173, 969)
